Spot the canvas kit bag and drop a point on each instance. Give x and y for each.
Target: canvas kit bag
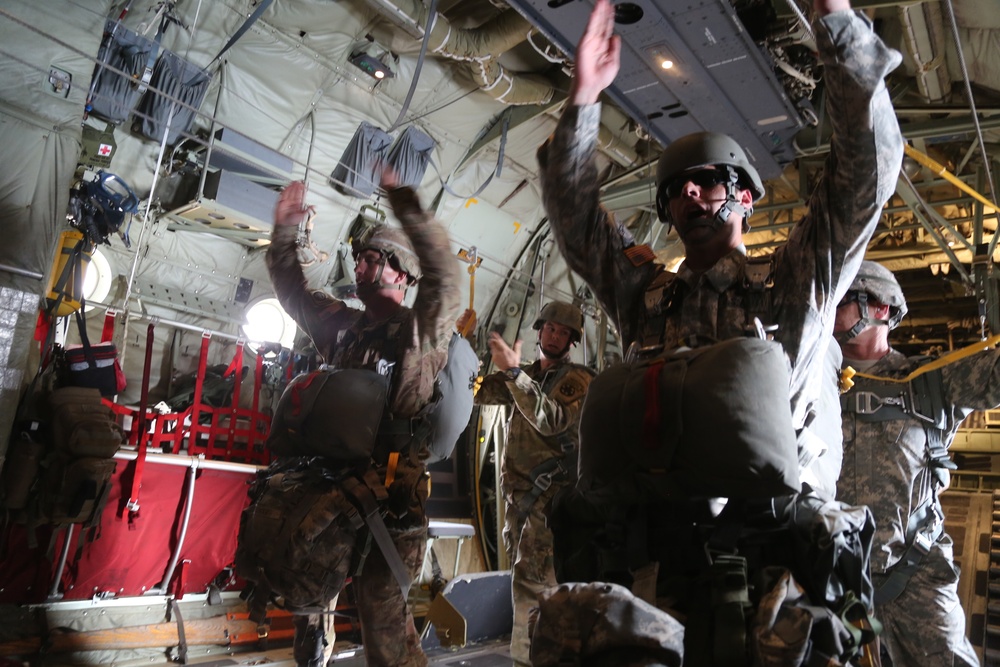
(94, 366)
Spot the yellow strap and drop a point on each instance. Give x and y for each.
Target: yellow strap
(474, 260)
(845, 375)
(939, 170)
(390, 471)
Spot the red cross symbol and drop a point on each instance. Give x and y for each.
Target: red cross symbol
(104, 150)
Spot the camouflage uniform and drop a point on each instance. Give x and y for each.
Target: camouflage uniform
(887, 467)
(542, 427)
(814, 269)
(417, 339)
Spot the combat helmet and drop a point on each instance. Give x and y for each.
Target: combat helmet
(395, 247)
(562, 313)
(877, 283)
(699, 150)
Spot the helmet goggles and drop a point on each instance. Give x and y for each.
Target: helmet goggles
(703, 178)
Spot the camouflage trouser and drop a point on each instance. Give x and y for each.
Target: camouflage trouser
(314, 637)
(925, 625)
(387, 629)
(529, 544)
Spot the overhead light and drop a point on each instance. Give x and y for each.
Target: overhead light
(371, 65)
(664, 57)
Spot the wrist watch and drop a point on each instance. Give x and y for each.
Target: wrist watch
(512, 373)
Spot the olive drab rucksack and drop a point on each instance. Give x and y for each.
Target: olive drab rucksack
(298, 538)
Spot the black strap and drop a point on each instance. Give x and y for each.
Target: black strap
(431, 17)
(730, 602)
(542, 477)
(81, 324)
(147, 72)
(924, 527)
(261, 8)
(68, 270)
(182, 648)
(370, 509)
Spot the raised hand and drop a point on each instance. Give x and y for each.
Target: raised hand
(504, 356)
(597, 55)
(291, 208)
(390, 179)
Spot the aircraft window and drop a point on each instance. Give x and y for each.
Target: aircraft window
(267, 321)
(97, 279)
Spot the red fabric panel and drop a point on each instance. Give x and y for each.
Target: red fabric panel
(25, 574)
(219, 499)
(129, 559)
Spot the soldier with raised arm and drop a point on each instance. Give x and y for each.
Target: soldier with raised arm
(706, 187)
(405, 346)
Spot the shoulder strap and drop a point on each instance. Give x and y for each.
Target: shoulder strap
(757, 287)
(663, 296)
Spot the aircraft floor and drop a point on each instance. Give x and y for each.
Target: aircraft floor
(486, 654)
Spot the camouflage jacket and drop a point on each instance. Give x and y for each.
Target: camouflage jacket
(824, 250)
(416, 338)
(545, 416)
(886, 464)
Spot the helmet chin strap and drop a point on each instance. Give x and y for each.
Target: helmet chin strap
(864, 321)
(730, 206)
(378, 277)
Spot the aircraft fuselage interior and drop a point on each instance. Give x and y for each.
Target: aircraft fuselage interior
(146, 147)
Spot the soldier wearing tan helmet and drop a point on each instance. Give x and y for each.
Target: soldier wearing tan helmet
(896, 439)
(384, 338)
(706, 186)
(539, 456)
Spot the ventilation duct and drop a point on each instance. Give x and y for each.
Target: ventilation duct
(480, 48)
(923, 33)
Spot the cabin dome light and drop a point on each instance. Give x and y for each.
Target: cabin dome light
(371, 65)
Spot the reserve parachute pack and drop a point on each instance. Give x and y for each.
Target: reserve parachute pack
(704, 422)
(690, 490)
(340, 414)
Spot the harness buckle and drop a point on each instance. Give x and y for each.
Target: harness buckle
(914, 412)
(922, 542)
(868, 403)
(543, 481)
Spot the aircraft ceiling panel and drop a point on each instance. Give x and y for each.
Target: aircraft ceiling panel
(720, 80)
